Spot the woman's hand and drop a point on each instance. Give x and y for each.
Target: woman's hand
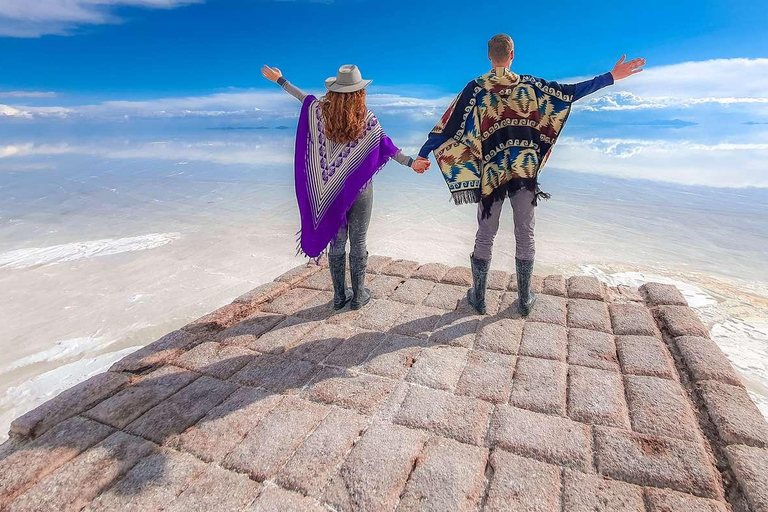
(420, 165)
(624, 69)
(271, 74)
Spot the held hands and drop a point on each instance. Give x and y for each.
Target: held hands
(271, 74)
(624, 69)
(420, 165)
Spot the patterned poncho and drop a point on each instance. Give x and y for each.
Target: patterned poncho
(330, 176)
(501, 129)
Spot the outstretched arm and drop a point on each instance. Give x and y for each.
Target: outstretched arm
(275, 75)
(620, 71)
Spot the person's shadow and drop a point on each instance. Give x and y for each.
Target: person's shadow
(168, 401)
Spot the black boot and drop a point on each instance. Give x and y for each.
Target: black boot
(338, 266)
(362, 295)
(526, 297)
(476, 294)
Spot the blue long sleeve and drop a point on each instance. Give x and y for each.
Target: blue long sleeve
(434, 141)
(589, 86)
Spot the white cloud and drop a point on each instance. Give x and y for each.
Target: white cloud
(723, 164)
(25, 18)
(723, 82)
(27, 94)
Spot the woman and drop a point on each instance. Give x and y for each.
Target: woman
(340, 145)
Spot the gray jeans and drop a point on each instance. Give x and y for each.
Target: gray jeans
(356, 230)
(525, 221)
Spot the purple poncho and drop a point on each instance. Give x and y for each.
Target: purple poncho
(330, 176)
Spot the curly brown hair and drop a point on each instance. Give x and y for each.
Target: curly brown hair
(344, 115)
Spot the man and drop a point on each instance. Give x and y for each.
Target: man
(492, 143)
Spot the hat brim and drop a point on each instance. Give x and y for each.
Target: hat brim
(332, 86)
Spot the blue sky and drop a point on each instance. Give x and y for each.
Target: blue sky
(196, 47)
(72, 71)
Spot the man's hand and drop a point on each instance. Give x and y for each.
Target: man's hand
(421, 164)
(271, 74)
(624, 69)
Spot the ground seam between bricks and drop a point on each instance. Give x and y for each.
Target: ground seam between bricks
(708, 431)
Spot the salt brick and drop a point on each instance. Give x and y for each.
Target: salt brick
(498, 280)
(417, 321)
(215, 359)
(216, 489)
(661, 407)
(735, 415)
(356, 349)
(313, 464)
(548, 309)
(706, 361)
(588, 314)
(664, 500)
(74, 485)
(413, 291)
(656, 461)
(271, 443)
(431, 272)
(131, 402)
(445, 296)
(274, 498)
(455, 328)
(487, 376)
(585, 287)
(544, 340)
(318, 309)
(750, 466)
(644, 355)
(547, 438)
(152, 483)
(318, 343)
(632, 319)
(377, 263)
(382, 286)
(361, 392)
(554, 285)
(183, 409)
(500, 335)
(376, 470)
(448, 476)
(67, 404)
(401, 268)
(283, 336)
(276, 373)
(227, 424)
(597, 396)
(290, 302)
(540, 385)
(394, 357)
(298, 274)
(461, 276)
(438, 367)
(458, 417)
(593, 349)
(589, 493)
(380, 315)
(23, 467)
(681, 321)
(248, 330)
(523, 484)
(657, 294)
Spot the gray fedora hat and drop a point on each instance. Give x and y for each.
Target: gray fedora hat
(348, 79)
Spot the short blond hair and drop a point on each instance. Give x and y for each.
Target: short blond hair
(499, 47)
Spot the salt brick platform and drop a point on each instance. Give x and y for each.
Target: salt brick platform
(602, 399)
